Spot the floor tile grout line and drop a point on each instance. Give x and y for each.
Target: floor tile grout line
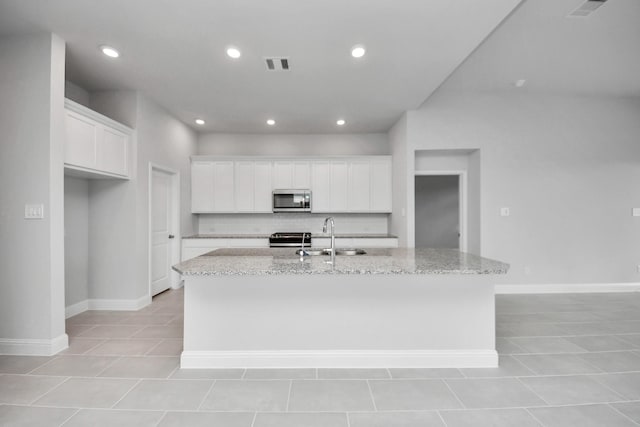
(289, 395)
(49, 391)
(525, 385)
(373, 400)
(441, 418)
(206, 395)
(534, 417)
(454, 394)
(164, 414)
(56, 357)
(622, 413)
(139, 380)
(71, 416)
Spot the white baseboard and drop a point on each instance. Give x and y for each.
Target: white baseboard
(108, 304)
(77, 308)
(339, 359)
(34, 347)
(567, 288)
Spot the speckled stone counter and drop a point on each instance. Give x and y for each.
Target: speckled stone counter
(279, 261)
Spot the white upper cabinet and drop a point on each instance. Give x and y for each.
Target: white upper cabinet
(244, 186)
(338, 188)
(359, 188)
(201, 187)
(94, 144)
(320, 192)
(262, 187)
(381, 185)
(348, 184)
(291, 174)
(223, 187)
(301, 175)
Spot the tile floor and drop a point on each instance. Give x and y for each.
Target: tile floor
(566, 360)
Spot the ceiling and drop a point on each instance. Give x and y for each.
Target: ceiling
(174, 52)
(596, 55)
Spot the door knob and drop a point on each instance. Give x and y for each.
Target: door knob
(171, 236)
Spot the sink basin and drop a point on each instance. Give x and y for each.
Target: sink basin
(350, 251)
(315, 252)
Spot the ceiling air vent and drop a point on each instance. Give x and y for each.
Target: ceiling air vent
(277, 64)
(587, 8)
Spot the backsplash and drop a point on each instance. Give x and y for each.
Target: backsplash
(271, 223)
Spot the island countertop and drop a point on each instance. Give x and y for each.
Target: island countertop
(281, 261)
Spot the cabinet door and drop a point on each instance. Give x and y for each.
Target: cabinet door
(381, 185)
(301, 175)
(320, 183)
(223, 187)
(201, 187)
(282, 175)
(262, 187)
(359, 186)
(112, 151)
(338, 188)
(244, 186)
(81, 141)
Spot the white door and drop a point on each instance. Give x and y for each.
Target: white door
(162, 235)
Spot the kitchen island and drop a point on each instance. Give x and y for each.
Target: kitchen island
(388, 308)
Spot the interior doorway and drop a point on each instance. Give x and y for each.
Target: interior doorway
(164, 214)
(440, 210)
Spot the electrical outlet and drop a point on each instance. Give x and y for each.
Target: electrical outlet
(638, 268)
(635, 212)
(505, 212)
(527, 271)
(34, 211)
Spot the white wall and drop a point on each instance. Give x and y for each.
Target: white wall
(292, 144)
(76, 240)
(119, 215)
(567, 167)
(401, 163)
(31, 171)
(76, 93)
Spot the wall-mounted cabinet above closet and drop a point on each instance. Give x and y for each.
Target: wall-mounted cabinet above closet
(95, 145)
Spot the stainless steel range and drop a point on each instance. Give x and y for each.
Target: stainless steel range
(290, 240)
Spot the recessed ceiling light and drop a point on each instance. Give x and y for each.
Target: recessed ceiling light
(233, 52)
(520, 83)
(109, 51)
(200, 122)
(358, 51)
(340, 122)
(271, 122)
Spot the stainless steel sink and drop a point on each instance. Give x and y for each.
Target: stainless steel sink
(315, 252)
(350, 251)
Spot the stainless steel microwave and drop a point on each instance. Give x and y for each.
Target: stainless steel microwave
(292, 200)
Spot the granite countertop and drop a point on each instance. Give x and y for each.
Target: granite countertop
(266, 236)
(268, 261)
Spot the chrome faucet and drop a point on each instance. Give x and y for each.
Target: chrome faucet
(329, 220)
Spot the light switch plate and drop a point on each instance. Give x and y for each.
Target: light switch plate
(635, 211)
(34, 211)
(504, 212)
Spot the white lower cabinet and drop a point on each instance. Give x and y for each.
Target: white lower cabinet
(94, 144)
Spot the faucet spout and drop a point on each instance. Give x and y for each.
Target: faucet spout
(330, 221)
